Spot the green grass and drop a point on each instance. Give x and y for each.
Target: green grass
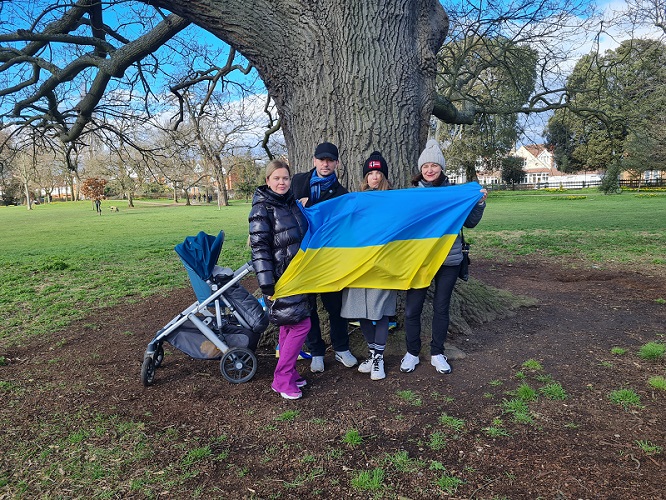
(525, 392)
(449, 483)
(649, 448)
(352, 437)
(61, 261)
(401, 462)
(618, 351)
(437, 441)
(518, 409)
(658, 382)
(652, 351)
(457, 424)
(532, 364)
(79, 451)
(626, 398)
(288, 416)
(560, 228)
(49, 253)
(553, 391)
(411, 397)
(369, 480)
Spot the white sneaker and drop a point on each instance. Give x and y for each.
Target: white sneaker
(377, 372)
(366, 366)
(408, 363)
(317, 364)
(346, 358)
(440, 363)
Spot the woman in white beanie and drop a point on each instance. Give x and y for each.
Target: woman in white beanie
(431, 174)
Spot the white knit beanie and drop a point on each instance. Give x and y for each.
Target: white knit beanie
(432, 154)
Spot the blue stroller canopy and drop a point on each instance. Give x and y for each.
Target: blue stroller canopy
(201, 252)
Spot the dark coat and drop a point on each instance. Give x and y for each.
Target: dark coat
(300, 185)
(277, 227)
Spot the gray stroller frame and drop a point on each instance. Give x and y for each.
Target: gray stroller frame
(220, 330)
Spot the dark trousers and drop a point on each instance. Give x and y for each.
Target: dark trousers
(375, 332)
(445, 280)
(339, 336)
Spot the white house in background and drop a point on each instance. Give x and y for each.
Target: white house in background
(540, 171)
(540, 167)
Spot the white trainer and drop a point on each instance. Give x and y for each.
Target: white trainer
(440, 363)
(377, 372)
(366, 366)
(408, 363)
(346, 358)
(317, 364)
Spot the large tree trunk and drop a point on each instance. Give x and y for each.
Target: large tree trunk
(359, 74)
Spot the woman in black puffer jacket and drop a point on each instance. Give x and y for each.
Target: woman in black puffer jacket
(277, 227)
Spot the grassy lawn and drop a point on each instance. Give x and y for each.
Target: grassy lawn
(61, 261)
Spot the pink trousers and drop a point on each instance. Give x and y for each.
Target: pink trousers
(291, 340)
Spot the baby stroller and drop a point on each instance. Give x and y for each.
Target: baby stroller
(224, 323)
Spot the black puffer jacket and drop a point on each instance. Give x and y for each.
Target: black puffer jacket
(277, 226)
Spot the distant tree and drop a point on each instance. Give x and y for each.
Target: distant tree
(620, 98)
(248, 176)
(496, 74)
(177, 164)
(9, 184)
(645, 13)
(512, 170)
(641, 154)
(93, 188)
(216, 119)
(610, 182)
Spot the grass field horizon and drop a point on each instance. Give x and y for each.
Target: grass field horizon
(61, 261)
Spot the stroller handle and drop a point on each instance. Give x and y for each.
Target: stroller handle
(244, 269)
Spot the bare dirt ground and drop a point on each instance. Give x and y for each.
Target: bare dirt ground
(583, 447)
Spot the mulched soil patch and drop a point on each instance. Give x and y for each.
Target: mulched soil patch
(581, 447)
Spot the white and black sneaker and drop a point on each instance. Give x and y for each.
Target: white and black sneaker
(346, 358)
(366, 366)
(377, 372)
(440, 363)
(408, 363)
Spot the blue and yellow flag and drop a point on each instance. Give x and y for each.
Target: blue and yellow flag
(380, 239)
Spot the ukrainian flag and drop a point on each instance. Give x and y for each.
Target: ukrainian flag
(380, 239)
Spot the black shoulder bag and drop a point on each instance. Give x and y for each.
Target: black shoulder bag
(464, 265)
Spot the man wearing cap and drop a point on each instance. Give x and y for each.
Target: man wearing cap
(321, 184)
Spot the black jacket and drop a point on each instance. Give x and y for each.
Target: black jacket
(277, 227)
(300, 185)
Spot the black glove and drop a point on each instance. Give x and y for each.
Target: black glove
(268, 290)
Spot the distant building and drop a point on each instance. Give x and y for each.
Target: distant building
(539, 166)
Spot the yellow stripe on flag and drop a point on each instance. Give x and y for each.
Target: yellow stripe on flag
(397, 265)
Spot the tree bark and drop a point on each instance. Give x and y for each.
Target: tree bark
(358, 74)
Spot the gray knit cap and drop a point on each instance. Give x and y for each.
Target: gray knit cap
(432, 154)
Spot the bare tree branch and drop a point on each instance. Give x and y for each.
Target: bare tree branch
(105, 61)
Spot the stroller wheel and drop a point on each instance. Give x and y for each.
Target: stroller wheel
(148, 371)
(158, 357)
(238, 365)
